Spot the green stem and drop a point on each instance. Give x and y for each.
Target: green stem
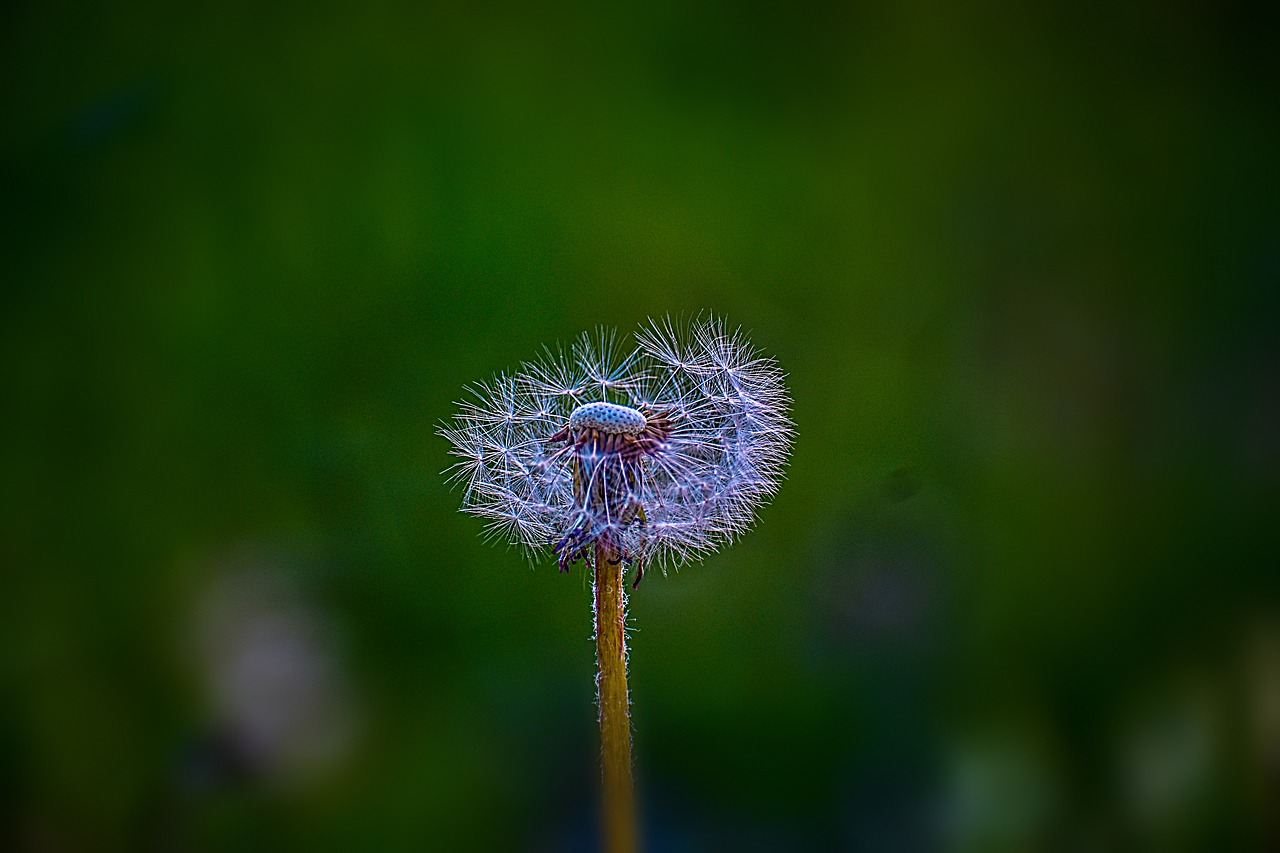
(615, 707)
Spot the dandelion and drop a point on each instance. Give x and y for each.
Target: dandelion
(660, 454)
(623, 457)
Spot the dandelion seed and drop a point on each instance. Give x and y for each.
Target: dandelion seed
(659, 454)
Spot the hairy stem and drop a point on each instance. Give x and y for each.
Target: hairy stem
(615, 707)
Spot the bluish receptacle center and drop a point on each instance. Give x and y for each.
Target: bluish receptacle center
(608, 417)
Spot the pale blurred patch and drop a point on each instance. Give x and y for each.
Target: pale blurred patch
(1169, 754)
(278, 692)
(1002, 789)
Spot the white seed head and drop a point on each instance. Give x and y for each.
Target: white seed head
(690, 479)
(607, 417)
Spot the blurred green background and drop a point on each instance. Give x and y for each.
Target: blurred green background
(1020, 589)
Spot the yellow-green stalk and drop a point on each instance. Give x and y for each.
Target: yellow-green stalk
(619, 813)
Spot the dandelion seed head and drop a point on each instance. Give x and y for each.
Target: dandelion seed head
(660, 452)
